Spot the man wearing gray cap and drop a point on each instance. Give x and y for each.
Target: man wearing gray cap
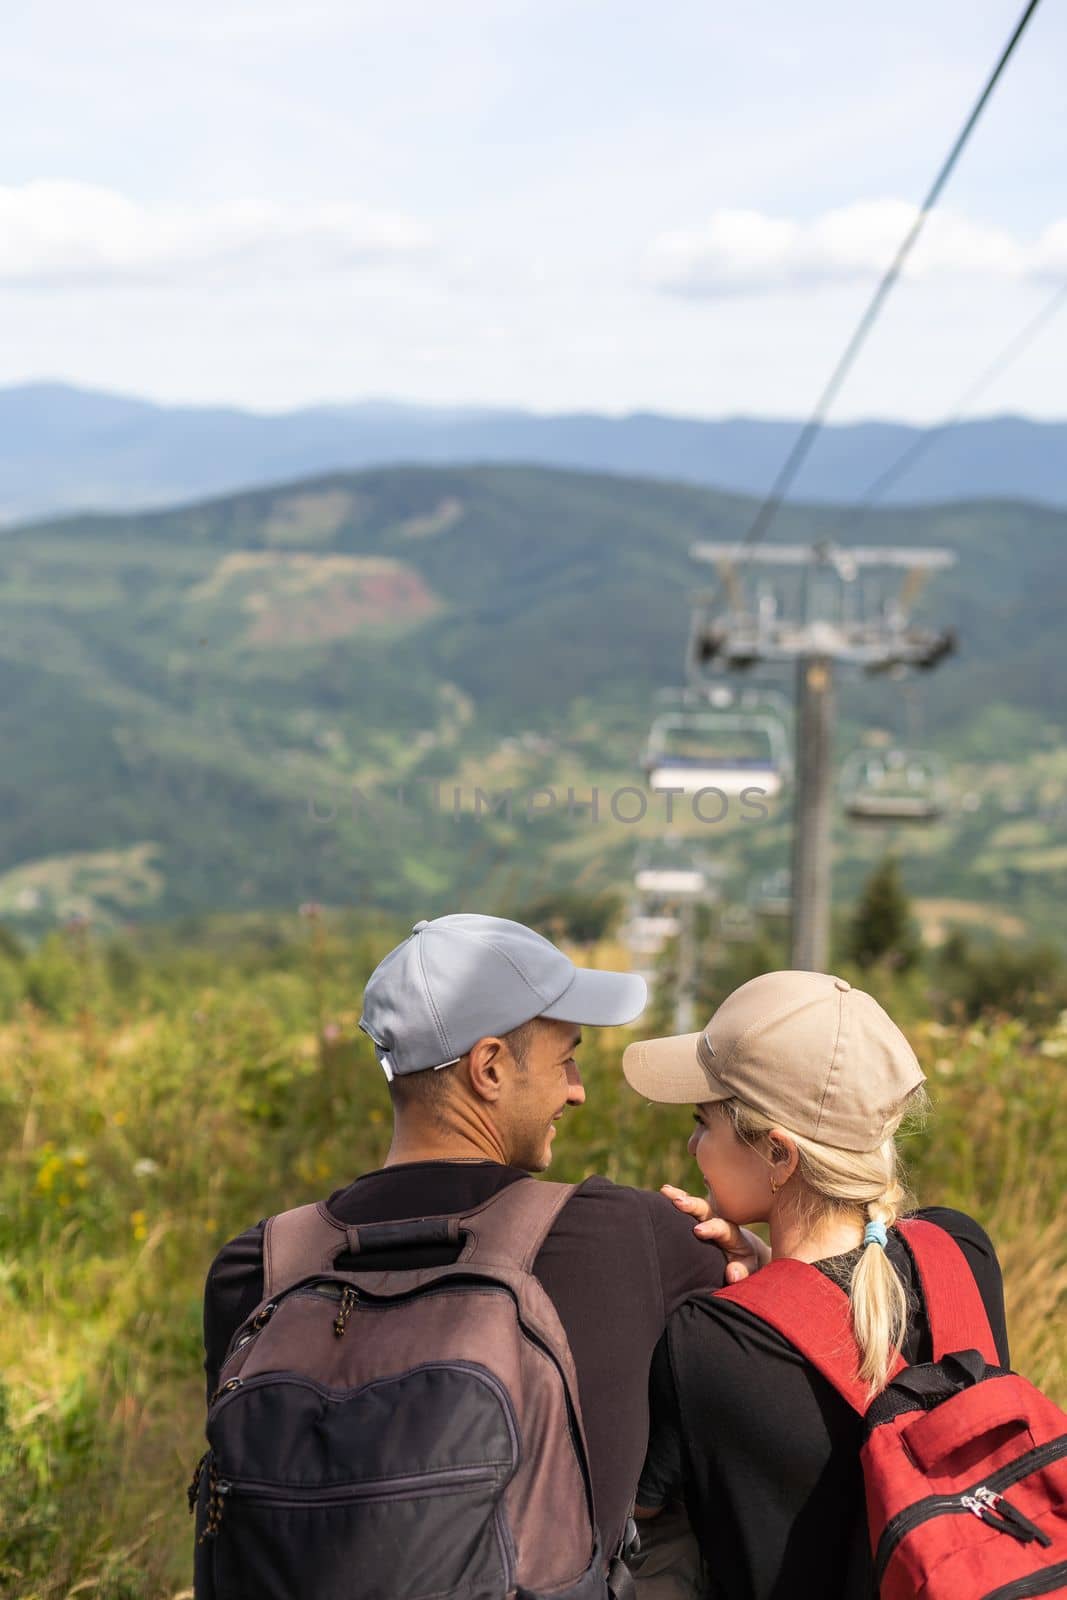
(464, 991)
(476, 1021)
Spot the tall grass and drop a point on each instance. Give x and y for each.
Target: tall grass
(150, 1111)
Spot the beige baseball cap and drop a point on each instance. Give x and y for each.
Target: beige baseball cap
(805, 1048)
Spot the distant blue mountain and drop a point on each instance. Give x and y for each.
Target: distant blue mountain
(63, 448)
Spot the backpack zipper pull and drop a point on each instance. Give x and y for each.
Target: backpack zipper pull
(986, 1506)
(348, 1301)
(979, 1509)
(226, 1388)
(263, 1316)
(218, 1489)
(1028, 1531)
(193, 1490)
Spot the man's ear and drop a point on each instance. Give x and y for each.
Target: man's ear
(486, 1060)
(782, 1149)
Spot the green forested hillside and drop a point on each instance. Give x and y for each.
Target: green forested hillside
(186, 698)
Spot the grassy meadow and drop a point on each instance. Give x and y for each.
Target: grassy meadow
(156, 1100)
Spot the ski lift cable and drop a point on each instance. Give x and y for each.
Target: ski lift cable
(807, 436)
(919, 446)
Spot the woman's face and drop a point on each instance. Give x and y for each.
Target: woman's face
(737, 1176)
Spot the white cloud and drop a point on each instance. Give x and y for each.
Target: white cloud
(749, 252)
(1050, 252)
(62, 234)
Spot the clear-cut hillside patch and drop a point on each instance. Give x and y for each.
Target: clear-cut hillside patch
(311, 516)
(293, 597)
(103, 885)
(445, 514)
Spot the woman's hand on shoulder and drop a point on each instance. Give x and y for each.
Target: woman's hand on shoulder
(745, 1253)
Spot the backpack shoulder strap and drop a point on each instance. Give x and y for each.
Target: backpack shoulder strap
(513, 1225)
(954, 1306)
(298, 1243)
(812, 1314)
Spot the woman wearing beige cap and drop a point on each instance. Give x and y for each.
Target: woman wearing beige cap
(800, 1084)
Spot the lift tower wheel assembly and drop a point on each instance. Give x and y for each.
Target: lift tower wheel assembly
(826, 622)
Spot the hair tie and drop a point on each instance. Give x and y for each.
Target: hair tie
(875, 1233)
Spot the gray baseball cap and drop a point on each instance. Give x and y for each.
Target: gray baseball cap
(459, 978)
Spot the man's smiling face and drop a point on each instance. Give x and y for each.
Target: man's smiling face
(546, 1081)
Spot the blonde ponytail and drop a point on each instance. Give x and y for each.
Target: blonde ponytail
(879, 1303)
(869, 1186)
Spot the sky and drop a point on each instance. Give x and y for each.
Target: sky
(558, 205)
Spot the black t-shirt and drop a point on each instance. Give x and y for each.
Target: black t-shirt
(765, 1452)
(615, 1264)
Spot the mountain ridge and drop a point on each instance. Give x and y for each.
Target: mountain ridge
(65, 448)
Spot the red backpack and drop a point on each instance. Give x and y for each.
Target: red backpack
(964, 1463)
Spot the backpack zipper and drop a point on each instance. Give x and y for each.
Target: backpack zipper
(250, 1330)
(445, 1481)
(223, 1396)
(1034, 1583)
(438, 1482)
(982, 1500)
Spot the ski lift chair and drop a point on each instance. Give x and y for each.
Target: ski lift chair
(670, 869)
(894, 786)
(676, 882)
(645, 946)
(691, 751)
(772, 896)
(737, 925)
(648, 931)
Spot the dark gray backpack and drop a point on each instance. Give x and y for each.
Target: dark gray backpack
(400, 1434)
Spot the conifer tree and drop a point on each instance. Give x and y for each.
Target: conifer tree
(882, 926)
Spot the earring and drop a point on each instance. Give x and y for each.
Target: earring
(775, 1187)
